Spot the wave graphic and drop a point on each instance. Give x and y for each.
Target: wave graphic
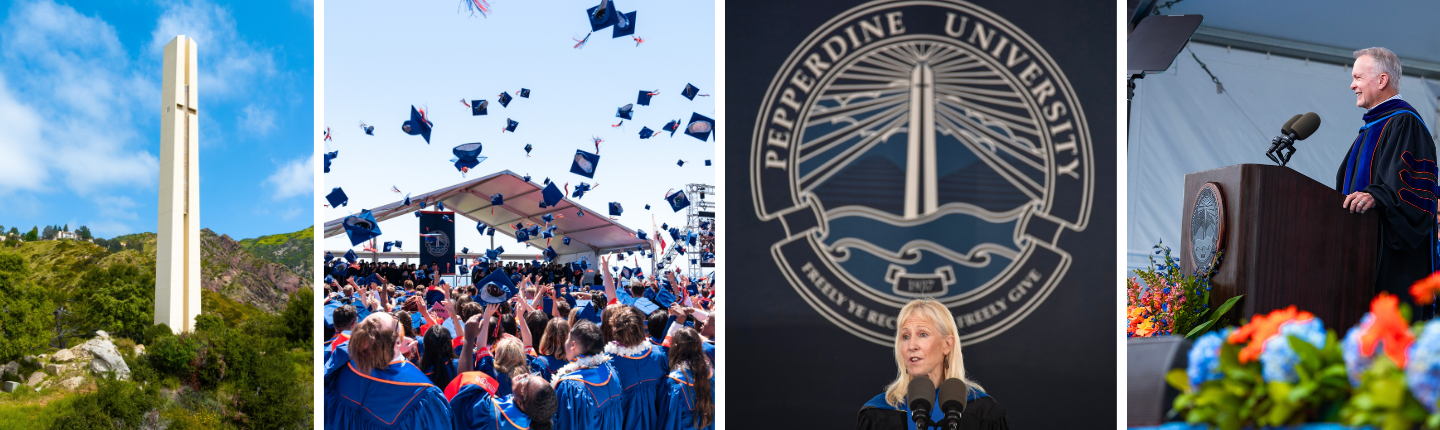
(977, 257)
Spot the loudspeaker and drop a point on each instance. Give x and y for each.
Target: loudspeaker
(1147, 397)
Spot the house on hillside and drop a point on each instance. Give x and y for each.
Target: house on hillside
(66, 235)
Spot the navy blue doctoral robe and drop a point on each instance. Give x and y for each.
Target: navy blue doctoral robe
(982, 412)
(398, 397)
(1393, 159)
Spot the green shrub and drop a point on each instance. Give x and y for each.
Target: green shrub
(299, 318)
(172, 355)
(208, 367)
(273, 396)
(113, 404)
(24, 322)
(155, 332)
(124, 345)
(209, 323)
(119, 299)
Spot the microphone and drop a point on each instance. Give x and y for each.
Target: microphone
(921, 393)
(952, 401)
(1298, 128)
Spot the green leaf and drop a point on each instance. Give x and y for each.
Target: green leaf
(1200, 329)
(1309, 355)
(1225, 307)
(1178, 379)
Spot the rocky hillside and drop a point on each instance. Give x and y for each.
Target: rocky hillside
(292, 250)
(227, 268)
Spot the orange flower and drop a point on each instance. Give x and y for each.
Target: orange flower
(1388, 327)
(1261, 328)
(1424, 290)
(1146, 328)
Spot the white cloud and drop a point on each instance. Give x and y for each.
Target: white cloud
(107, 228)
(23, 165)
(257, 119)
(116, 207)
(230, 65)
(294, 178)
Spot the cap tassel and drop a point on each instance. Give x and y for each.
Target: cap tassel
(638, 40)
(327, 134)
(463, 102)
(618, 124)
(580, 43)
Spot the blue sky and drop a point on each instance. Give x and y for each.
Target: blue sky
(79, 129)
(383, 56)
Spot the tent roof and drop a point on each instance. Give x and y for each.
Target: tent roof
(594, 232)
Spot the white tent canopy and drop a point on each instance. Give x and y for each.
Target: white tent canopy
(592, 233)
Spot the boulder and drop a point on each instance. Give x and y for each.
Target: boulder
(101, 334)
(63, 356)
(42, 385)
(72, 383)
(106, 358)
(11, 367)
(139, 350)
(35, 379)
(11, 386)
(52, 368)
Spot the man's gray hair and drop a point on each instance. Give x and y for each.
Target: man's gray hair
(1385, 62)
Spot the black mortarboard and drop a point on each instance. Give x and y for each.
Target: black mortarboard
(497, 200)
(525, 178)
(350, 256)
(671, 127)
(602, 17)
(361, 227)
(646, 132)
(677, 200)
(615, 209)
(552, 195)
(388, 245)
(521, 236)
(674, 234)
(398, 244)
(625, 111)
(690, 91)
(330, 156)
(548, 218)
(510, 125)
(337, 198)
(565, 240)
(550, 254)
(584, 164)
(644, 99)
(490, 231)
(707, 162)
(496, 287)
(440, 206)
(329, 256)
(547, 181)
(525, 92)
(647, 207)
(418, 124)
(680, 163)
(641, 234)
(505, 99)
(479, 107)
(467, 156)
(700, 126)
(625, 27)
(527, 149)
(580, 190)
(465, 250)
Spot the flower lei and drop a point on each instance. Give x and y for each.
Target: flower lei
(614, 348)
(586, 362)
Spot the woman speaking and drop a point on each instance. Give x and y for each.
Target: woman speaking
(926, 347)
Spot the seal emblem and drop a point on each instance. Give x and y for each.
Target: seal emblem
(1207, 226)
(437, 244)
(921, 149)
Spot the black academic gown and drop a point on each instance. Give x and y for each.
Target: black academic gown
(982, 412)
(1393, 159)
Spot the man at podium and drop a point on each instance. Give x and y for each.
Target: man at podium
(1391, 167)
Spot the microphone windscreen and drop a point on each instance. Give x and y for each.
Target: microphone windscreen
(1285, 129)
(952, 395)
(1306, 125)
(921, 393)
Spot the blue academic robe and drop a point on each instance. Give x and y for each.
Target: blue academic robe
(484, 362)
(935, 413)
(337, 354)
(642, 375)
(453, 366)
(589, 400)
(474, 408)
(546, 365)
(341, 340)
(678, 401)
(398, 397)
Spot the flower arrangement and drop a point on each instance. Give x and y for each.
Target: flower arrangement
(1284, 368)
(1162, 301)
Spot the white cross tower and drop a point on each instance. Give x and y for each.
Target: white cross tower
(177, 259)
(920, 193)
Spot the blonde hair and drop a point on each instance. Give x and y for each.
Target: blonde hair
(510, 357)
(372, 343)
(1385, 62)
(937, 314)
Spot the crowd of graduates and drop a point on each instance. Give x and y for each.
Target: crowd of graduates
(526, 346)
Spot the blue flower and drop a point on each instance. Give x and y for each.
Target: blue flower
(1422, 370)
(1204, 362)
(1355, 363)
(1278, 360)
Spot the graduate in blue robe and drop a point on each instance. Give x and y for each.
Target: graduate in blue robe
(474, 404)
(679, 401)
(1392, 160)
(588, 389)
(642, 369)
(688, 391)
(398, 397)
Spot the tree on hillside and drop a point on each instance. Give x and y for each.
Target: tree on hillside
(33, 235)
(47, 233)
(14, 231)
(298, 316)
(23, 309)
(119, 299)
(66, 228)
(84, 233)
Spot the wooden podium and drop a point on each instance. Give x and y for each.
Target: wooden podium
(1287, 241)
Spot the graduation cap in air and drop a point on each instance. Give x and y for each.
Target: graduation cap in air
(675, 234)
(497, 200)
(677, 200)
(640, 234)
(665, 298)
(690, 91)
(707, 162)
(505, 99)
(580, 190)
(495, 288)
(527, 149)
(340, 270)
(603, 15)
(525, 92)
(551, 197)
(565, 240)
(646, 132)
(585, 164)
(337, 198)
(680, 163)
(700, 127)
(330, 156)
(644, 99)
(368, 129)
(510, 125)
(646, 305)
(464, 270)
(494, 253)
(490, 231)
(534, 230)
(580, 213)
(388, 245)
(398, 245)
(467, 156)
(548, 218)
(625, 273)
(615, 209)
(479, 107)
(550, 254)
(547, 234)
(439, 206)
(625, 27)
(350, 256)
(418, 124)
(329, 256)
(547, 181)
(417, 214)
(521, 236)
(407, 201)
(423, 204)
(625, 111)
(465, 250)
(671, 127)
(647, 207)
